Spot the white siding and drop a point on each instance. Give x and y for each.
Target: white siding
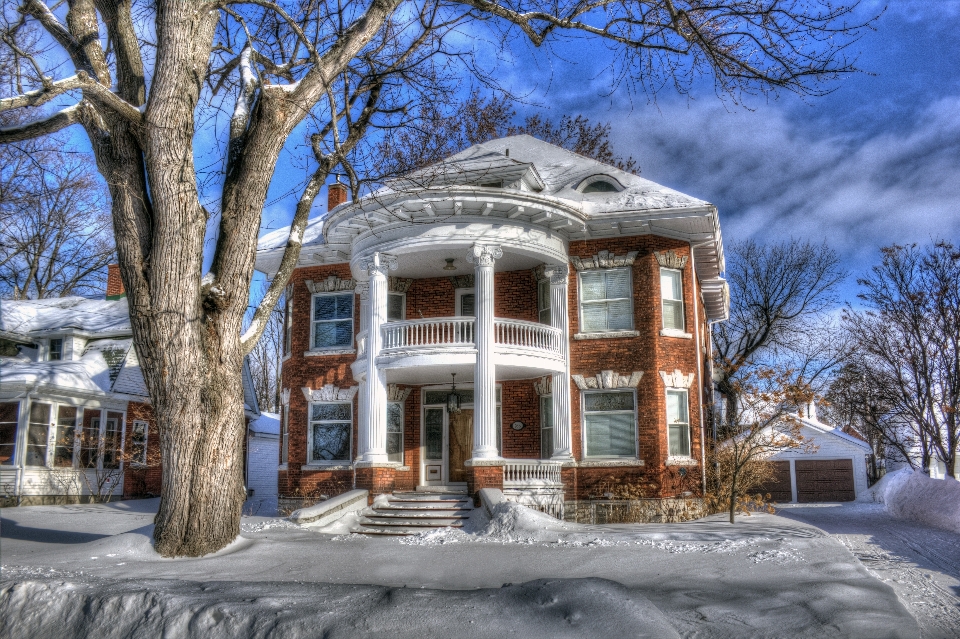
(263, 458)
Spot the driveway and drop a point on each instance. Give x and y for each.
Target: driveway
(920, 563)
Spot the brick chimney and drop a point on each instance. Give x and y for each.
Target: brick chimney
(336, 195)
(114, 283)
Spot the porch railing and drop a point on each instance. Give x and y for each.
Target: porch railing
(437, 331)
(530, 472)
(521, 334)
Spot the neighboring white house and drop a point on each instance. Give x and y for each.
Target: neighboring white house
(835, 470)
(263, 455)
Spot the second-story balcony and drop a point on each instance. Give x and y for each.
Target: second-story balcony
(424, 347)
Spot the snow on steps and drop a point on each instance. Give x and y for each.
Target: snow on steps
(413, 513)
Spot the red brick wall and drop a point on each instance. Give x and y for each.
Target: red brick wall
(520, 403)
(141, 482)
(516, 295)
(432, 297)
(114, 282)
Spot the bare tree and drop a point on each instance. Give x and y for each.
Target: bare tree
(144, 87)
(57, 238)
(437, 133)
(763, 426)
(910, 338)
(266, 359)
(778, 295)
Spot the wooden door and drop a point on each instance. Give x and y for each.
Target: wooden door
(460, 441)
(778, 486)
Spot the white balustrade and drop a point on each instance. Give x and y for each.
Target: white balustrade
(438, 331)
(531, 335)
(528, 472)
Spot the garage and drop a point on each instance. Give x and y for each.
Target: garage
(824, 480)
(830, 466)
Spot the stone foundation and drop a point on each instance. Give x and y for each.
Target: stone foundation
(629, 511)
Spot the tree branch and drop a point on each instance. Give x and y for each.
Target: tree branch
(38, 128)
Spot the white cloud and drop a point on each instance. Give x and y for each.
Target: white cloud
(773, 178)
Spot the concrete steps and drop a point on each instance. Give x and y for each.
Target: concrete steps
(412, 513)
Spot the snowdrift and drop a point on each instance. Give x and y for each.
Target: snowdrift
(911, 495)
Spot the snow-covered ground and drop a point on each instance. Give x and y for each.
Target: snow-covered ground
(74, 571)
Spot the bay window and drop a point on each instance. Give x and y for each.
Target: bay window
(331, 426)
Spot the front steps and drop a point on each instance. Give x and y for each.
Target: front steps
(412, 513)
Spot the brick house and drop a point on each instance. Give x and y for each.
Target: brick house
(566, 300)
(75, 416)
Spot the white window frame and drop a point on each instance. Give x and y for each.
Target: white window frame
(543, 302)
(310, 421)
(288, 325)
(402, 432)
(55, 430)
(580, 302)
(663, 303)
(50, 343)
(51, 426)
(142, 462)
(460, 292)
(313, 322)
(583, 423)
(285, 435)
(686, 393)
(403, 306)
(548, 401)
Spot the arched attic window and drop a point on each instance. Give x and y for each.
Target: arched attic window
(599, 184)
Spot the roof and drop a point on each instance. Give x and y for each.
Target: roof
(267, 424)
(826, 429)
(94, 373)
(65, 314)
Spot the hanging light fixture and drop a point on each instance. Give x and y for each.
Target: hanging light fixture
(453, 397)
(450, 266)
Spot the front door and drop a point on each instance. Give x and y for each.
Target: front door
(460, 442)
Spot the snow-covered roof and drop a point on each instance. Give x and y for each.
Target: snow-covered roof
(826, 429)
(94, 373)
(65, 315)
(267, 423)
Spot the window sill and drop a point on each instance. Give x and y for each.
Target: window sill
(607, 335)
(676, 460)
(282, 467)
(599, 463)
(331, 351)
(328, 466)
(673, 332)
(286, 357)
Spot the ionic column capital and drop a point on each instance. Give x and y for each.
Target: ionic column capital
(484, 254)
(379, 264)
(557, 274)
(363, 290)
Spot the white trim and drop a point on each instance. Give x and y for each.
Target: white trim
(460, 292)
(599, 177)
(403, 306)
(146, 440)
(583, 425)
(666, 395)
(671, 330)
(403, 424)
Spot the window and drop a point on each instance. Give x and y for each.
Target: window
(285, 444)
(678, 423)
(101, 440)
(138, 445)
(56, 350)
(466, 302)
(112, 442)
(600, 184)
(37, 429)
(605, 303)
(9, 413)
(330, 427)
(395, 432)
(66, 436)
(288, 324)
(89, 439)
(546, 427)
(332, 320)
(396, 303)
(610, 424)
(671, 293)
(543, 301)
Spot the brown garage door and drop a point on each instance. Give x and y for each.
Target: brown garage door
(825, 480)
(778, 486)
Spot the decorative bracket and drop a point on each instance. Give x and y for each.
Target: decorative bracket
(330, 393)
(397, 393)
(330, 285)
(484, 255)
(379, 263)
(676, 379)
(603, 259)
(670, 259)
(544, 385)
(607, 380)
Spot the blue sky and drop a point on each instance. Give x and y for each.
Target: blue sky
(875, 162)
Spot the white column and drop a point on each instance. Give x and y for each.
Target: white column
(484, 377)
(373, 441)
(560, 386)
(363, 292)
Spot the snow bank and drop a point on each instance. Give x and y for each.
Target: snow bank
(911, 495)
(66, 608)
